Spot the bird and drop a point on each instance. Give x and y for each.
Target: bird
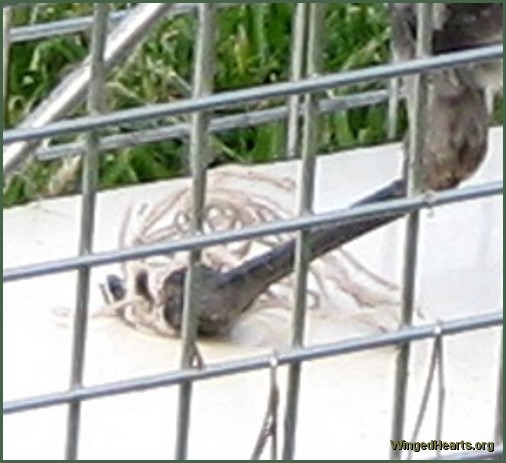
(456, 145)
(457, 27)
(458, 118)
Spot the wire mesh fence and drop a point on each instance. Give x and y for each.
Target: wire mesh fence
(114, 34)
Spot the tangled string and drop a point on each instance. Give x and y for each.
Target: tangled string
(238, 198)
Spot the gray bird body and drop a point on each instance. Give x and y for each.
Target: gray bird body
(224, 297)
(457, 26)
(455, 147)
(457, 134)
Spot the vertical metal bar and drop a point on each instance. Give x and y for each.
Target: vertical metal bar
(394, 86)
(441, 398)
(6, 52)
(393, 103)
(314, 20)
(393, 108)
(89, 187)
(274, 407)
(199, 154)
(299, 41)
(67, 95)
(417, 107)
(499, 429)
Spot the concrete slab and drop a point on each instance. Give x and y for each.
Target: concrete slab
(346, 402)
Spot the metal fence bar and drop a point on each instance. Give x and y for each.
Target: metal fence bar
(346, 216)
(298, 60)
(199, 156)
(305, 354)
(20, 5)
(393, 103)
(217, 125)
(82, 24)
(308, 47)
(393, 108)
(499, 428)
(302, 33)
(441, 391)
(6, 52)
(89, 190)
(309, 18)
(265, 92)
(66, 96)
(62, 27)
(476, 456)
(417, 95)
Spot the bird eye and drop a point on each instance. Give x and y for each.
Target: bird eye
(116, 287)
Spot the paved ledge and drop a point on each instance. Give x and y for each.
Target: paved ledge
(346, 402)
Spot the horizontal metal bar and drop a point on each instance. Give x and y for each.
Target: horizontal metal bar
(477, 456)
(58, 28)
(385, 208)
(302, 354)
(67, 95)
(222, 124)
(234, 98)
(75, 25)
(21, 5)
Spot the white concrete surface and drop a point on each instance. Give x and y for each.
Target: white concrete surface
(346, 402)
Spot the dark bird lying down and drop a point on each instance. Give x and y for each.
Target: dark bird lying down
(456, 145)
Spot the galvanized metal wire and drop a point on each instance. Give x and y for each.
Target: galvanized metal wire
(417, 86)
(265, 92)
(497, 454)
(71, 91)
(199, 154)
(74, 25)
(308, 50)
(399, 206)
(499, 421)
(306, 354)
(301, 113)
(216, 125)
(88, 213)
(5, 49)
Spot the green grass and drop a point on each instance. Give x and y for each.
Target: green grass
(253, 48)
